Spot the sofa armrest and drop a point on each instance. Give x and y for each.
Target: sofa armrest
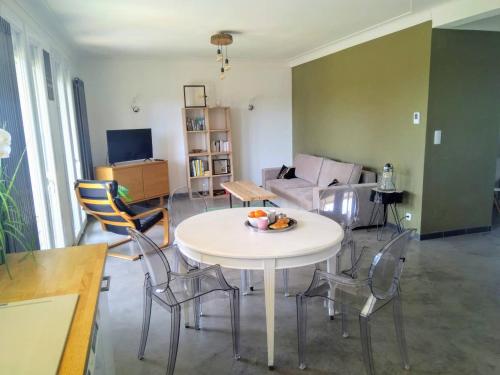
(269, 174)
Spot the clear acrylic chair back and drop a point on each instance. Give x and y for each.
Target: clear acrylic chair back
(340, 204)
(153, 260)
(387, 265)
(182, 206)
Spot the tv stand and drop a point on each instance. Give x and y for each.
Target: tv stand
(144, 180)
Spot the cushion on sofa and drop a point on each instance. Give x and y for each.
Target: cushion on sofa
(367, 177)
(280, 185)
(307, 167)
(345, 173)
(302, 197)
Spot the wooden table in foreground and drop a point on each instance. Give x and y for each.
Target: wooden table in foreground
(247, 191)
(69, 270)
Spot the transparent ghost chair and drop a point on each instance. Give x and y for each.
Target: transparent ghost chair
(341, 204)
(181, 206)
(363, 296)
(171, 290)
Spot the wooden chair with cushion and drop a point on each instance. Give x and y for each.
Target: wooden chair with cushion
(100, 199)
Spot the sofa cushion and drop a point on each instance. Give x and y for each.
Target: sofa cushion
(307, 167)
(302, 197)
(367, 177)
(281, 185)
(345, 173)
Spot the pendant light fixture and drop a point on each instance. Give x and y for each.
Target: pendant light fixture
(222, 40)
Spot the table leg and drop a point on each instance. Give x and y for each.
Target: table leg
(331, 267)
(269, 281)
(264, 203)
(230, 200)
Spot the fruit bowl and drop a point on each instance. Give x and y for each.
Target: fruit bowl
(254, 217)
(253, 221)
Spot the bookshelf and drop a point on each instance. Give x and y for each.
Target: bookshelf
(209, 149)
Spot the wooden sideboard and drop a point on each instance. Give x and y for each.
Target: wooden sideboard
(144, 180)
(70, 270)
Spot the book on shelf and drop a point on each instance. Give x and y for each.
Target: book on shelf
(198, 167)
(220, 146)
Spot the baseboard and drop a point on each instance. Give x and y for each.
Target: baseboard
(455, 232)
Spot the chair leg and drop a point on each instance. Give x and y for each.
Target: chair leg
(166, 230)
(197, 304)
(366, 344)
(345, 321)
(234, 303)
(301, 302)
(175, 323)
(354, 258)
(285, 282)
(400, 331)
(146, 318)
(120, 242)
(249, 278)
(246, 282)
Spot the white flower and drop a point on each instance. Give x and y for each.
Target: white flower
(5, 140)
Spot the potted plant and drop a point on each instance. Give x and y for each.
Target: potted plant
(12, 224)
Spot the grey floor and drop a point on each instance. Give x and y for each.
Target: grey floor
(451, 296)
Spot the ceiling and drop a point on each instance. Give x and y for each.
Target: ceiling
(485, 24)
(266, 29)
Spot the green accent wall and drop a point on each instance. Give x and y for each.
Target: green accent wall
(357, 105)
(464, 103)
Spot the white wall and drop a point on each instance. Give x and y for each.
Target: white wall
(261, 138)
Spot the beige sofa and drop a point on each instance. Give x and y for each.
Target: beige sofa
(313, 175)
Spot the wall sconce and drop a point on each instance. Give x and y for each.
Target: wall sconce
(134, 106)
(251, 105)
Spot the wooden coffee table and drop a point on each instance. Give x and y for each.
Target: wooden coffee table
(247, 192)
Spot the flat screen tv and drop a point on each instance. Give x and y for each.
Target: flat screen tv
(130, 144)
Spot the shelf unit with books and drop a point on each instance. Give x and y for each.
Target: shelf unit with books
(208, 147)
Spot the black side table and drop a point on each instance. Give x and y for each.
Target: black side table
(384, 199)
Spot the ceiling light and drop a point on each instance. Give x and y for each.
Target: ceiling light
(222, 40)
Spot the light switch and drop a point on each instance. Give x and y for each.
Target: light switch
(437, 137)
(416, 118)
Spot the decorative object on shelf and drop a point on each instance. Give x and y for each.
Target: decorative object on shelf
(222, 40)
(12, 224)
(387, 182)
(221, 166)
(195, 96)
(195, 124)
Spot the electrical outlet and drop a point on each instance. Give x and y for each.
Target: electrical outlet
(408, 216)
(416, 118)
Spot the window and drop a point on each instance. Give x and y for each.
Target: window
(45, 139)
(73, 170)
(50, 130)
(32, 149)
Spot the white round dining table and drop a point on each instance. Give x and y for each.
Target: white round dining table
(221, 237)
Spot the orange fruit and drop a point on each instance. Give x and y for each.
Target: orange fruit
(251, 214)
(260, 213)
